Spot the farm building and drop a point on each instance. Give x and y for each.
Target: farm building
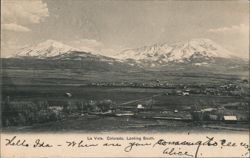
(140, 106)
(185, 93)
(230, 118)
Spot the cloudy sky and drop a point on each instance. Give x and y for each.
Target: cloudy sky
(109, 26)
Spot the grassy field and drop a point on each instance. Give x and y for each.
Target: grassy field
(118, 95)
(126, 124)
(67, 76)
(52, 85)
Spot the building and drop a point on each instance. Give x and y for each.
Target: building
(185, 93)
(140, 106)
(230, 118)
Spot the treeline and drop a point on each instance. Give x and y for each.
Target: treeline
(18, 113)
(25, 113)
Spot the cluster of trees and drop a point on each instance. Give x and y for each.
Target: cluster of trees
(27, 113)
(23, 113)
(89, 106)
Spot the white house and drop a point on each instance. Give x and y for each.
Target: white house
(230, 118)
(140, 106)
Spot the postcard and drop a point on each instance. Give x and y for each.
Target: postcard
(124, 78)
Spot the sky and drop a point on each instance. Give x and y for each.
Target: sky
(109, 26)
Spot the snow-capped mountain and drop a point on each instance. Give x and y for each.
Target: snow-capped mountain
(197, 51)
(49, 48)
(61, 55)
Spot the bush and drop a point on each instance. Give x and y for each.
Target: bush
(27, 113)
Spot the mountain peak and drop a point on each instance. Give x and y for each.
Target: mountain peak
(48, 48)
(160, 54)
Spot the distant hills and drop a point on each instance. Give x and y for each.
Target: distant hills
(197, 54)
(46, 49)
(52, 54)
(197, 51)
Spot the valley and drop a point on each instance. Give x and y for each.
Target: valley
(52, 87)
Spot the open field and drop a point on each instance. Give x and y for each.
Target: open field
(119, 95)
(55, 96)
(100, 124)
(77, 76)
(48, 88)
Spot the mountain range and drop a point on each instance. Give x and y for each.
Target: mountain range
(196, 53)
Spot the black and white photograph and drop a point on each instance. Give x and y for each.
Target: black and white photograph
(100, 66)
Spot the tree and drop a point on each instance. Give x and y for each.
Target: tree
(105, 105)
